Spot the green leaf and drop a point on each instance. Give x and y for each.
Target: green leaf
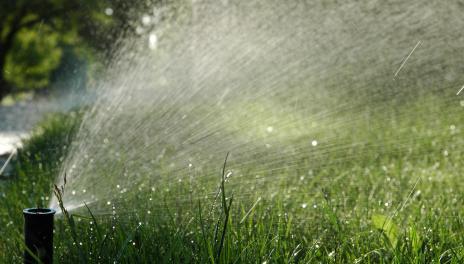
(386, 225)
(415, 238)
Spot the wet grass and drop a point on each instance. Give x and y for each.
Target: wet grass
(397, 198)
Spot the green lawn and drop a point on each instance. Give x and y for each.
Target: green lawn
(384, 190)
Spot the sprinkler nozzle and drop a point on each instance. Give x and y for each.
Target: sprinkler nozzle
(38, 235)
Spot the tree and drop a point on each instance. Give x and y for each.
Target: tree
(34, 32)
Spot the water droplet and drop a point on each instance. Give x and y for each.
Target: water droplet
(118, 186)
(332, 254)
(269, 129)
(304, 205)
(152, 41)
(108, 203)
(139, 30)
(314, 143)
(106, 141)
(109, 11)
(146, 19)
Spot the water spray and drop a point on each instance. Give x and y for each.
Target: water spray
(5, 165)
(38, 235)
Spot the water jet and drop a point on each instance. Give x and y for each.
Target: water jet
(38, 235)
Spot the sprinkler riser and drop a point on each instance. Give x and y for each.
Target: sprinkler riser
(38, 235)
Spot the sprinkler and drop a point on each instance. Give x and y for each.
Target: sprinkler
(38, 235)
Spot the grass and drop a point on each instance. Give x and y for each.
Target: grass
(395, 199)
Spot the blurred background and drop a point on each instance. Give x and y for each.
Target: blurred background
(51, 51)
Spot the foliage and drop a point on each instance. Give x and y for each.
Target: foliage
(33, 58)
(33, 35)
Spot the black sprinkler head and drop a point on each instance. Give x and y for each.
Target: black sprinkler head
(38, 235)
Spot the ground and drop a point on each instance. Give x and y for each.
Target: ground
(394, 199)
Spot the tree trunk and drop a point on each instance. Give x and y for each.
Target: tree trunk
(5, 87)
(5, 45)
